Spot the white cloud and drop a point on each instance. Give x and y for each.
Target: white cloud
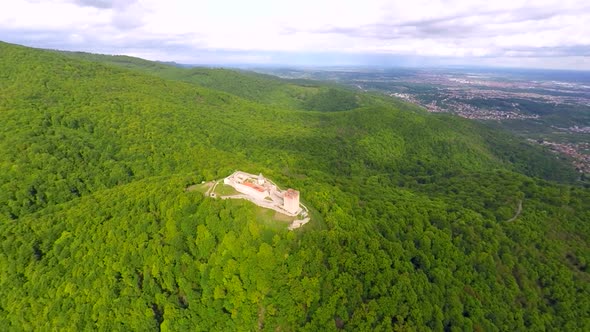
(175, 29)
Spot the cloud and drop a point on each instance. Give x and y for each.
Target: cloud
(464, 25)
(101, 4)
(127, 20)
(547, 52)
(104, 4)
(325, 31)
(125, 14)
(525, 31)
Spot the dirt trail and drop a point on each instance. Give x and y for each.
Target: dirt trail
(518, 211)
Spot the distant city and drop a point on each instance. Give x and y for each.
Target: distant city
(551, 108)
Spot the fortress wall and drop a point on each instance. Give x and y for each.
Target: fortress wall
(250, 191)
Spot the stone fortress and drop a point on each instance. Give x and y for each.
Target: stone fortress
(265, 193)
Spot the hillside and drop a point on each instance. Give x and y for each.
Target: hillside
(98, 232)
(265, 89)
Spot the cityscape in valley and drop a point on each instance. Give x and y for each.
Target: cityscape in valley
(550, 108)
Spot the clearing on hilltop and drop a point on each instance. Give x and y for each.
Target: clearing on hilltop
(262, 192)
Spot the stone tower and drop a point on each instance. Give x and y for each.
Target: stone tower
(291, 201)
(260, 179)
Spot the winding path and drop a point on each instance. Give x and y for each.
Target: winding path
(518, 211)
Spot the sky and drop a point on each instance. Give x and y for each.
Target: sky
(508, 33)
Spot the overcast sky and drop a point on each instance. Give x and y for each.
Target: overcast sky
(540, 33)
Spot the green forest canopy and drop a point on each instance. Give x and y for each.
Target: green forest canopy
(412, 232)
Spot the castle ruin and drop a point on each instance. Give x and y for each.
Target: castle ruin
(291, 200)
(265, 193)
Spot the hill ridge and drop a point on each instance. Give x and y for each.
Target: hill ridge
(97, 231)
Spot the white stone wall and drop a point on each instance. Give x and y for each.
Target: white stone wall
(291, 204)
(279, 200)
(250, 191)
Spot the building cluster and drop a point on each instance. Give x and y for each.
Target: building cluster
(577, 129)
(481, 97)
(578, 152)
(264, 192)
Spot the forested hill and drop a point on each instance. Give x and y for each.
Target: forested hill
(417, 220)
(265, 89)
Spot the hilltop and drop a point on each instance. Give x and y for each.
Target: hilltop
(265, 89)
(421, 221)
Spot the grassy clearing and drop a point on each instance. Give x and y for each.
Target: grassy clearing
(201, 187)
(225, 190)
(272, 219)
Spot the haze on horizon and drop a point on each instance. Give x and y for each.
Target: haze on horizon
(532, 34)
